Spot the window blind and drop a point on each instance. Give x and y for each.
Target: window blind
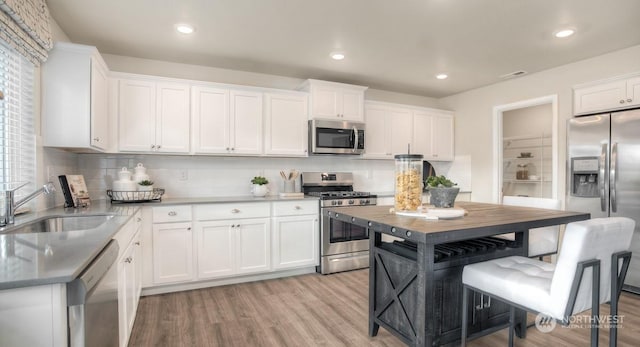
(17, 135)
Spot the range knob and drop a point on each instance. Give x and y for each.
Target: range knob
(339, 202)
(351, 202)
(363, 202)
(334, 203)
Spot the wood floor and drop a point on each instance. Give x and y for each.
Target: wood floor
(312, 310)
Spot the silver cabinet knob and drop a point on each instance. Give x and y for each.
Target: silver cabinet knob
(629, 100)
(137, 243)
(622, 101)
(172, 213)
(158, 147)
(298, 208)
(235, 210)
(96, 139)
(189, 228)
(153, 146)
(227, 148)
(138, 219)
(128, 260)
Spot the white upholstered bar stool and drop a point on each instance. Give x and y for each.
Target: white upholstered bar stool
(594, 254)
(542, 241)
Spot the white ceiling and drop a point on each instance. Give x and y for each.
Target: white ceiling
(395, 45)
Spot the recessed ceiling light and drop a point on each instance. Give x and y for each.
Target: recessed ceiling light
(442, 76)
(564, 33)
(184, 28)
(337, 55)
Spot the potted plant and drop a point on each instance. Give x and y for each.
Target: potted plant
(145, 186)
(259, 187)
(442, 192)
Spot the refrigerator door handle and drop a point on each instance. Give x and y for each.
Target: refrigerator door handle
(601, 179)
(613, 176)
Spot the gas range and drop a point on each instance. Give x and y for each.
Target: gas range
(335, 189)
(344, 198)
(343, 246)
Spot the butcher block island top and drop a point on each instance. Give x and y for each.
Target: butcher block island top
(482, 219)
(415, 280)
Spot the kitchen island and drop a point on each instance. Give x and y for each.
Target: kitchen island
(415, 286)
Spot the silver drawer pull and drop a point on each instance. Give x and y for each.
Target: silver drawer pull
(235, 210)
(172, 213)
(137, 243)
(138, 219)
(298, 208)
(128, 260)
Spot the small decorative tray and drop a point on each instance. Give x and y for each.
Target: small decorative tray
(135, 196)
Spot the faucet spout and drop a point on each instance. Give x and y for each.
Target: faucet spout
(11, 205)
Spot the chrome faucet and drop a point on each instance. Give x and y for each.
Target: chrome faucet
(10, 205)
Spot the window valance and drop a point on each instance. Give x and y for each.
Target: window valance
(24, 24)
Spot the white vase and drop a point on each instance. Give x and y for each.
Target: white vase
(259, 190)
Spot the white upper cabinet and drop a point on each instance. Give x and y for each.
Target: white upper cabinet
(226, 121)
(391, 128)
(433, 134)
(614, 94)
(336, 101)
(153, 116)
(286, 127)
(388, 130)
(74, 99)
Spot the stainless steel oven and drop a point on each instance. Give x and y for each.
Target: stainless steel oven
(335, 137)
(343, 246)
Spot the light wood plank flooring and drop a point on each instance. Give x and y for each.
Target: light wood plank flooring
(311, 310)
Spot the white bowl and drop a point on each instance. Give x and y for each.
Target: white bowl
(534, 177)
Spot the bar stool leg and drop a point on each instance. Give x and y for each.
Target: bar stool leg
(465, 304)
(512, 324)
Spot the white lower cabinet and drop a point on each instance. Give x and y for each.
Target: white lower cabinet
(172, 252)
(129, 265)
(228, 247)
(295, 241)
(230, 240)
(231, 247)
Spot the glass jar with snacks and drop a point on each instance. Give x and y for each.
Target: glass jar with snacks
(408, 191)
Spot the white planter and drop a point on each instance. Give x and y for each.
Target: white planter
(145, 188)
(259, 190)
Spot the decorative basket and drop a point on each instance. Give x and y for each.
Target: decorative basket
(135, 196)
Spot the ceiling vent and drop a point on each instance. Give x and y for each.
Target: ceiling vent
(513, 74)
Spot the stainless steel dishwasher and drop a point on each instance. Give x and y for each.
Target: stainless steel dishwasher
(92, 302)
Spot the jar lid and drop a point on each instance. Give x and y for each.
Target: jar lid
(409, 156)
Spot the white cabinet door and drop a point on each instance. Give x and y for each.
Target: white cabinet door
(246, 122)
(74, 99)
(388, 131)
(600, 97)
(295, 241)
(216, 252)
(286, 126)
(137, 115)
(400, 125)
(172, 119)
(633, 91)
(210, 120)
(377, 144)
(351, 102)
(253, 245)
(99, 106)
(422, 130)
(172, 253)
(443, 140)
(336, 101)
(325, 102)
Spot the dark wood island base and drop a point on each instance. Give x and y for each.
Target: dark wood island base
(415, 281)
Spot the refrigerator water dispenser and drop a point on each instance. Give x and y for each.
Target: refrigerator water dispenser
(584, 177)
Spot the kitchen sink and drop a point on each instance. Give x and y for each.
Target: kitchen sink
(57, 224)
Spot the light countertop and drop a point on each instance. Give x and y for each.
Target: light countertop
(56, 257)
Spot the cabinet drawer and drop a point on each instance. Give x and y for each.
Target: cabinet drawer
(232, 211)
(295, 208)
(167, 214)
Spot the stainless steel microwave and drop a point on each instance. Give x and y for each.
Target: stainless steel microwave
(335, 137)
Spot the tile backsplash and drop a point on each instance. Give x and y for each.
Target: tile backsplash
(205, 176)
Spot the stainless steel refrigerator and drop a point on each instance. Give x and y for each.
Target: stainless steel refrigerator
(603, 174)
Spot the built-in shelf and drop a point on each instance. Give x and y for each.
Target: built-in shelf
(539, 164)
